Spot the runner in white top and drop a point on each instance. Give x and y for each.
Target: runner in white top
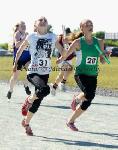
(41, 46)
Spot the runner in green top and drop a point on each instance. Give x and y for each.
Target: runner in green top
(86, 69)
(88, 64)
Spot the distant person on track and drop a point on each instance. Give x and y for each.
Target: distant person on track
(65, 67)
(41, 45)
(19, 36)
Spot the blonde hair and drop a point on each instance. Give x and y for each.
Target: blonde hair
(15, 28)
(84, 22)
(74, 35)
(35, 26)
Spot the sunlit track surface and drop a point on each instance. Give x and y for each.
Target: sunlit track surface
(98, 126)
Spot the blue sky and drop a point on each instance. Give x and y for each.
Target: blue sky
(103, 13)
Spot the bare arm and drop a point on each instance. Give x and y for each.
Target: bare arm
(19, 52)
(101, 43)
(17, 39)
(60, 48)
(73, 47)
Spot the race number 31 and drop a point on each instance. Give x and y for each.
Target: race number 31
(91, 60)
(43, 62)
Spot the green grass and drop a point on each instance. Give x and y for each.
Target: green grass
(108, 75)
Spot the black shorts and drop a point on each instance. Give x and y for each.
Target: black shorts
(21, 64)
(38, 80)
(87, 84)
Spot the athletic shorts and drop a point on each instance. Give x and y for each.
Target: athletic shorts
(87, 84)
(21, 64)
(38, 80)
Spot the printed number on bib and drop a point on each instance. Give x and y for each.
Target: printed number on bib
(91, 60)
(43, 62)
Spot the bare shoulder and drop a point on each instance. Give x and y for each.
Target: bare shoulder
(76, 43)
(101, 41)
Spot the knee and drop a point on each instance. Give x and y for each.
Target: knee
(46, 91)
(43, 92)
(40, 93)
(90, 96)
(35, 105)
(85, 104)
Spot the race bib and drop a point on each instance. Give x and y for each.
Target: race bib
(91, 60)
(43, 62)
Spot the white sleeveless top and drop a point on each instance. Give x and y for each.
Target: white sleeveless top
(41, 48)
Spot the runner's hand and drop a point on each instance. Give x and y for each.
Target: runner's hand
(102, 60)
